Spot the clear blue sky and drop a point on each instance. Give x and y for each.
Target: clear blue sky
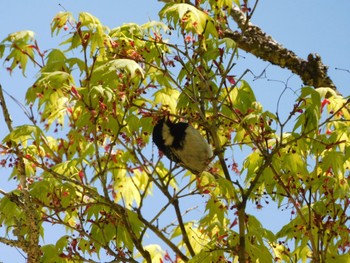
(303, 26)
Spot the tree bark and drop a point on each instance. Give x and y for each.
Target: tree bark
(253, 40)
(28, 242)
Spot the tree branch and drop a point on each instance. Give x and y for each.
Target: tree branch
(32, 217)
(253, 40)
(12, 243)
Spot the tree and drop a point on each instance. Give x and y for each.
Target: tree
(85, 160)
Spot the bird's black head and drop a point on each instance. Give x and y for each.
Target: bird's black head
(178, 132)
(167, 134)
(157, 136)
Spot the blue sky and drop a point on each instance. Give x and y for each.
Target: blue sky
(313, 26)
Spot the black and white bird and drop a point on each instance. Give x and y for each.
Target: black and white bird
(183, 144)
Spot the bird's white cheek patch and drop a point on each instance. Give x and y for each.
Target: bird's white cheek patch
(168, 138)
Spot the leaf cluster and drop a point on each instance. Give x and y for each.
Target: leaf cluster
(89, 166)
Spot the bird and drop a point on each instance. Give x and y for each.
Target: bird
(183, 144)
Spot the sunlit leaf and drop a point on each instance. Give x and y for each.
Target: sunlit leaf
(21, 134)
(59, 21)
(167, 97)
(129, 65)
(155, 251)
(193, 19)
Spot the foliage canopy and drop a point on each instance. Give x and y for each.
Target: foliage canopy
(86, 162)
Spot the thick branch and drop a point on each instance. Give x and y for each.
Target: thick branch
(32, 217)
(13, 243)
(253, 40)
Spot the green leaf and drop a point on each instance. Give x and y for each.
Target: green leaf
(123, 238)
(155, 24)
(155, 251)
(20, 37)
(78, 62)
(167, 97)
(55, 55)
(252, 164)
(109, 231)
(326, 92)
(55, 61)
(68, 195)
(55, 78)
(41, 189)
(21, 48)
(215, 213)
(62, 243)
(309, 92)
(59, 21)
(21, 134)
(99, 91)
(86, 19)
(9, 210)
(225, 189)
(2, 50)
(133, 124)
(127, 31)
(309, 119)
(193, 19)
(126, 189)
(73, 42)
(51, 254)
(97, 34)
(294, 163)
(206, 257)
(229, 43)
(49, 89)
(121, 64)
(338, 258)
(92, 211)
(334, 160)
(67, 168)
(243, 97)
